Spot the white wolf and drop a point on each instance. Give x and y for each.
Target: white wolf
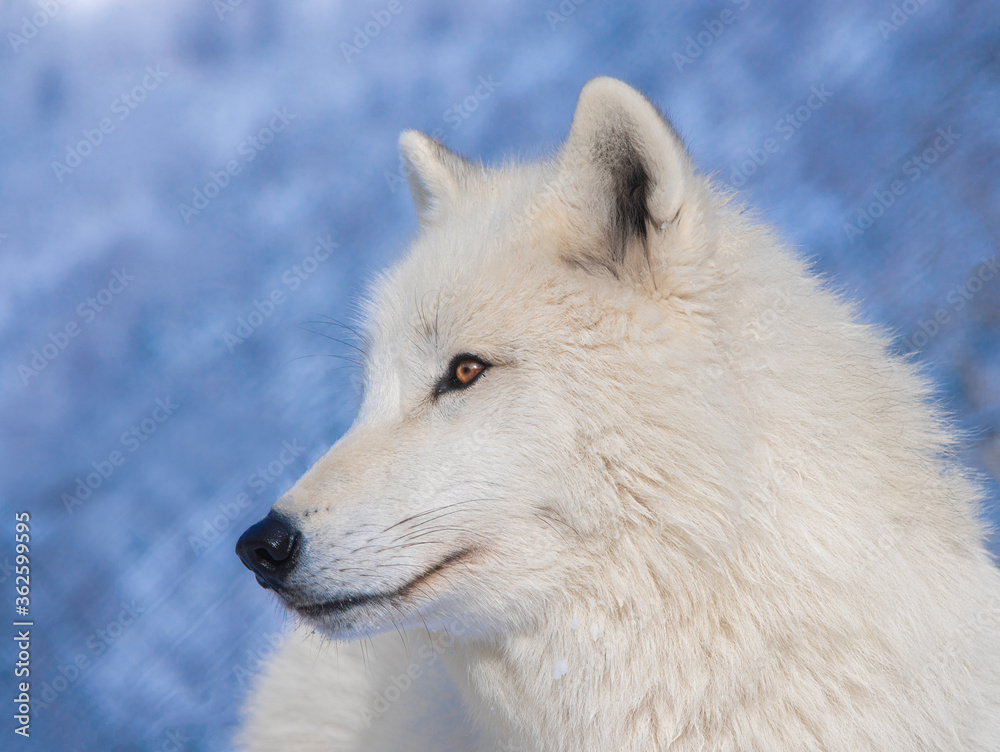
(625, 476)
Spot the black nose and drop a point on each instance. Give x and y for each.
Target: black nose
(268, 549)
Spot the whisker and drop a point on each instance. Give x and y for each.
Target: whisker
(336, 322)
(422, 533)
(348, 358)
(423, 524)
(344, 342)
(429, 511)
(417, 543)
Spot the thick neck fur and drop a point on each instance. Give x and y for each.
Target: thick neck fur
(726, 608)
(553, 680)
(653, 661)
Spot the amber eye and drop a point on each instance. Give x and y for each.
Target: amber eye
(467, 370)
(462, 372)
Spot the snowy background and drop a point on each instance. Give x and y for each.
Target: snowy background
(120, 308)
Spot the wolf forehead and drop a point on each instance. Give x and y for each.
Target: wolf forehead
(621, 177)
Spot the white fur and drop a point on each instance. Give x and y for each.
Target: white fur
(704, 508)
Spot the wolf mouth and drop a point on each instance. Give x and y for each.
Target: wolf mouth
(336, 606)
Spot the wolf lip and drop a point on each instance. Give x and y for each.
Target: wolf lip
(336, 606)
(339, 605)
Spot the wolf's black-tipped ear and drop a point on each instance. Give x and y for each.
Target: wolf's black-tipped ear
(434, 173)
(625, 169)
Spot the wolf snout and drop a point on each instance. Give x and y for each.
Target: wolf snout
(268, 549)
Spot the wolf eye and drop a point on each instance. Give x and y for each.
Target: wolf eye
(467, 370)
(462, 372)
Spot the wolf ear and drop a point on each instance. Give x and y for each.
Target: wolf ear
(434, 173)
(624, 169)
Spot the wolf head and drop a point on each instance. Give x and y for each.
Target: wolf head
(545, 393)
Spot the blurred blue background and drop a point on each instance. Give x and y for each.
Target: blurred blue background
(168, 165)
